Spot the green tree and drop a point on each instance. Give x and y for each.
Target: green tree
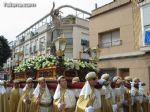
(5, 51)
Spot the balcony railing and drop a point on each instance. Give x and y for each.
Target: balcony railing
(69, 20)
(49, 42)
(110, 44)
(22, 40)
(42, 28)
(69, 41)
(84, 42)
(19, 53)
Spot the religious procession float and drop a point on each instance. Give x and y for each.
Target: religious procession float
(51, 68)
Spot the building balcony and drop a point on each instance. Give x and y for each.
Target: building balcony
(69, 20)
(110, 44)
(29, 35)
(42, 28)
(69, 41)
(48, 44)
(22, 40)
(20, 53)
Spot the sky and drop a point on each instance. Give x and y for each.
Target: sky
(15, 20)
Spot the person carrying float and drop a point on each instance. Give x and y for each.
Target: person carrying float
(64, 99)
(89, 98)
(15, 96)
(25, 99)
(42, 99)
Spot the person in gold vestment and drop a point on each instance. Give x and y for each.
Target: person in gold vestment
(14, 96)
(2, 98)
(42, 99)
(89, 98)
(138, 97)
(127, 96)
(76, 91)
(118, 94)
(25, 99)
(106, 94)
(6, 96)
(64, 99)
(148, 104)
(145, 103)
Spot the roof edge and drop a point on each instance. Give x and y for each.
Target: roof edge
(109, 7)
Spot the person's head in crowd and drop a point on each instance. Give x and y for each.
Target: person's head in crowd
(29, 82)
(128, 79)
(136, 80)
(62, 82)
(91, 77)
(75, 80)
(42, 82)
(117, 80)
(8, 82)
(5, 84)
(105, 78)
(16, 83)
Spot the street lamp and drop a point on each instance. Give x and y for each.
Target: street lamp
(94, 53)
(60, 45)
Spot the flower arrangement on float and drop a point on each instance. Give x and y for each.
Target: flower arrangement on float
(70, 67)
(41, 62)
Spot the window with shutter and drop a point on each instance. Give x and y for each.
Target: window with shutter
(109, 39)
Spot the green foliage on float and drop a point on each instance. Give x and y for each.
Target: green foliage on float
(41, 62)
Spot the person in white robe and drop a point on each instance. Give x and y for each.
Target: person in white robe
(106, 94)
(64, 99)
(118, 94)
(15, 96)
(42, 99)
(76, 91)
(25, 99)
(2, 92)
(89, 98)
(137, 95)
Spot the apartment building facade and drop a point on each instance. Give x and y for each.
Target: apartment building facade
(37, 39)
(116, 29)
